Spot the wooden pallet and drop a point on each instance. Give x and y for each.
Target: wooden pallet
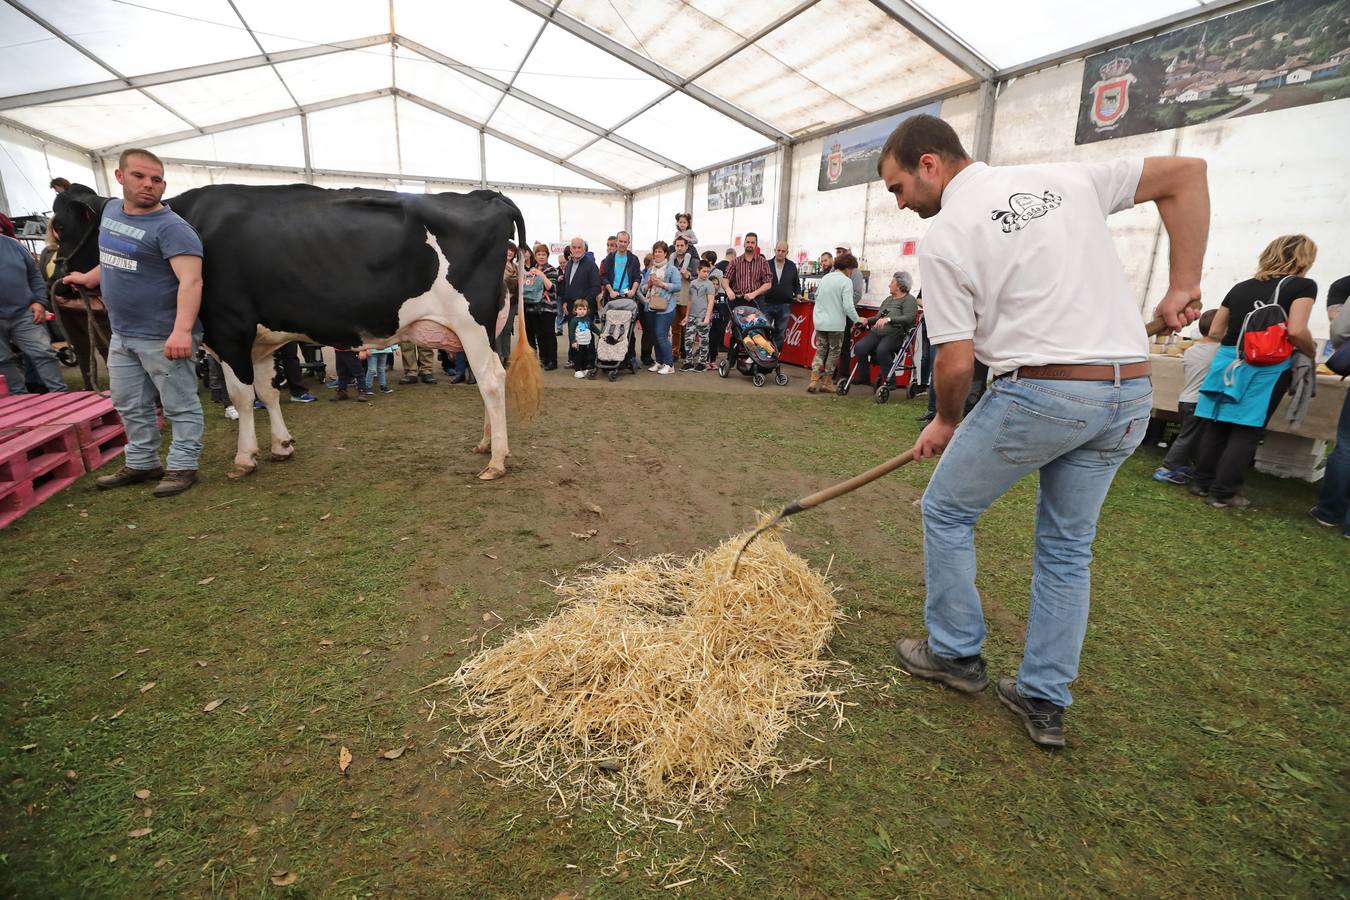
(97, 425)
(35, 463)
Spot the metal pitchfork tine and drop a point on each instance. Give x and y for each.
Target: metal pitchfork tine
(1154, 327)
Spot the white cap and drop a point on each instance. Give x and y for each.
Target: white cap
(843, 245)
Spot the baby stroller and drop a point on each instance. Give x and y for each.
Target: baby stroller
(752, 350)
(899, 375)
(613, 338)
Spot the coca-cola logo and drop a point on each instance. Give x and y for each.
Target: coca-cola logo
(795, 330)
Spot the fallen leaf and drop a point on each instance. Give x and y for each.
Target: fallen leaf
(265, 568)
(490, 556)
(116, 714)
(325, 517)
(112, 857)
(84, 514)
(147, 686)
(162, 863)
(365, 652)
(241, 710)
(595, 509)
(142, 650)
(394, 754)
(147, 812)
(584, 535)
(251, 830)
(71, 775)
(118, 675)
(207, 580)
(142, 794)
(26, 747)
(202, 663)
(115, 761)
(344, 760)
(356, 815)
(131, 525)
(282, 879)
(425, 638)
(325, 643)
(212, 705)
(139, 832)
(487, 617)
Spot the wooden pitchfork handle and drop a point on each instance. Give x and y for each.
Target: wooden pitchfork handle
(1156, 326)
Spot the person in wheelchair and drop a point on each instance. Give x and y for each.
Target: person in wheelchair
(887, 329)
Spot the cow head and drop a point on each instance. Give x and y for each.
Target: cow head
(75, 218)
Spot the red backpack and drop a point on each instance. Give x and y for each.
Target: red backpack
(1264, 338)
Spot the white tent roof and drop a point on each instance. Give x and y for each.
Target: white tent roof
(591, 94)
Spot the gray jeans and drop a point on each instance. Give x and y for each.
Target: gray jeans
(138, 371)
(35, 346)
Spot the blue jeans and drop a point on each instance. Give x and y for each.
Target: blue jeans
(1076, 434)
(376, 367)
(137, 371)
(36, 348)
(778, 315)
(1333, 502)
(661, 322)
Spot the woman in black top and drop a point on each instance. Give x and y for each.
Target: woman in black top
(1239, 399)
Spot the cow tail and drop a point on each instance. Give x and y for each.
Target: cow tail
(524, 376)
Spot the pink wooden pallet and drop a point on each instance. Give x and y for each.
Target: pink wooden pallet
(97, 426)
(34, 465)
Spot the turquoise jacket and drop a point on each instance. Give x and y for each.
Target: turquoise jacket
(834, 303)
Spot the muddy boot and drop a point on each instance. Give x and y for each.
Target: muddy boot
(827, 385)
(175, 482)
(815, 383)
(127, 475)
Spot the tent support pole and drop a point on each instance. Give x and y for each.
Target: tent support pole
(628, 213)
(984, 120)
(784, 191)
(304, 140)
(100, 175)
(482, 158)
(688, 194)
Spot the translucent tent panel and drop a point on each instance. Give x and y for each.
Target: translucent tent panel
(654, 214)
(152, 35)
(101, 121)
(689, 132)
(301, 23)
(277, 143)
(590, 217)
(621, 164)
(508, 163)
(568, 72)
(36, 60)
(337, 182)
(443, 86)
(778, 95)
(540, 129)
(885, 64)
(682, 41)
(337, 74)
(999, 31)
(435, 146)
(331, 133)
(182, 178)
(27, 165)
(224, 98)
(490, 35)
(542, 216)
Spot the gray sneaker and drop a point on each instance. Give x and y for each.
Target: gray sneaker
(1043, 720)
(918, 659)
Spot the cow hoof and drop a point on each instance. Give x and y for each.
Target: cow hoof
(278, 457)
(491, 473)
(240, 471)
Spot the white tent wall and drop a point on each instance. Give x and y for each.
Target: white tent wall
(28, 163)
(1268, 175)
(654, 215)
(589, 216)
(718, 229)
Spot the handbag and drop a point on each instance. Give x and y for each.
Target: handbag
(657, 300)
(1264, 337)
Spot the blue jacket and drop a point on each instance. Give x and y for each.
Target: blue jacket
(607, 272)
(21, 284)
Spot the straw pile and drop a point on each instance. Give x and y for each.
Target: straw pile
(662, 680)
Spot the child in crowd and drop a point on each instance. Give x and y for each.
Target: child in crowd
(700, 316)
(684, 228)
(581, 338)
(349, 372)
(721, 310)
(1179, 461)
(377, 365)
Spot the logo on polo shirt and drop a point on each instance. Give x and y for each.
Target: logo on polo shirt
(1024, 208)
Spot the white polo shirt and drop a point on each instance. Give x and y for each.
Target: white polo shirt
(1019, 259)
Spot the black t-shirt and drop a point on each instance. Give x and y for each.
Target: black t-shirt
(1339, 291)
(1244, 296)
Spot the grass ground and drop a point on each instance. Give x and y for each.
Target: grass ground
(1207, 744)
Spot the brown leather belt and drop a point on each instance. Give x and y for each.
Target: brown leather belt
(1085, 372)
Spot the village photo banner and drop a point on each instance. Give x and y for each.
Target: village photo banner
(1275, 56)
(739, 184)
(850, 157)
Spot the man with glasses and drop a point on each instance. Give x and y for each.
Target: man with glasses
(784, 287)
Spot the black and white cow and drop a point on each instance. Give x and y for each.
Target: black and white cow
(345, 268)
